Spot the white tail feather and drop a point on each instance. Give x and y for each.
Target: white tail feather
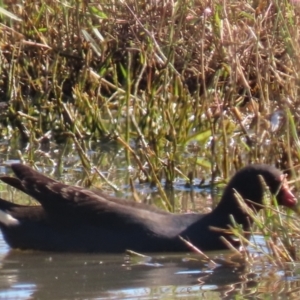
(7, 219)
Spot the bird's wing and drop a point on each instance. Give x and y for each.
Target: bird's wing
(83, 205)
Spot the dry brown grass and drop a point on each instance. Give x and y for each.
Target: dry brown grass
(175, 72)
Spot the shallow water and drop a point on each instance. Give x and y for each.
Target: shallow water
(40, 275)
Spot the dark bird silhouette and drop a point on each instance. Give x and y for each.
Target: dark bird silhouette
(75, 219)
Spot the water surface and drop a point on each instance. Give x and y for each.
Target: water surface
(42, 275)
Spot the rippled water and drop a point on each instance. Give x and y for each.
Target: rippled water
(39, 275)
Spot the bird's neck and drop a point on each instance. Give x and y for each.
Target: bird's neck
(228, 208)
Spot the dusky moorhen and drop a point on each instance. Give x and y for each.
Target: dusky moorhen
(75, 219)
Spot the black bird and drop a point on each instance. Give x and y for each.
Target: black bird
(75, 219)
